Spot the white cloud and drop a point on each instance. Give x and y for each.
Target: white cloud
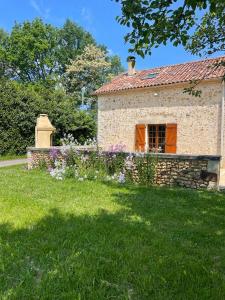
(86, 15)
(110, 51)
(36, 7)
(40, 9)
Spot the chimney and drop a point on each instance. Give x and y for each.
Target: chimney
(131, 65)
(43, 132)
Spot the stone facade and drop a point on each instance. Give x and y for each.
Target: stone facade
(198, 119)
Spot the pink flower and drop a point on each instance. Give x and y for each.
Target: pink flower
(117, 148)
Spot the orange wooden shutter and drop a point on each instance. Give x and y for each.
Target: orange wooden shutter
(140, 138)
(171, 138)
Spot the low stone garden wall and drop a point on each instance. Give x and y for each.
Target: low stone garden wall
(191, 171)
(187, 171)
(36, 156)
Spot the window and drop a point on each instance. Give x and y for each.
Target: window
(150, 75)
(157, 138)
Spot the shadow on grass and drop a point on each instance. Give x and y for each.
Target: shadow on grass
(162, 244)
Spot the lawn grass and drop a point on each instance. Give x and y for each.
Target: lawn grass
(88, 240)
(12, 156)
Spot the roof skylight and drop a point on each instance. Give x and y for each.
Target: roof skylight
(150, 75)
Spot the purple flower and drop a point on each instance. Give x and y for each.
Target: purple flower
(117, 148)
(54, 153)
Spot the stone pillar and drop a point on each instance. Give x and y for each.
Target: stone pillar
(43, 132)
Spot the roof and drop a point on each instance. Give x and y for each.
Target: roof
(185, 72)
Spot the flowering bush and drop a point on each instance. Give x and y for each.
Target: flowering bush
(59, 170)
(108, 166)
(72, 161)
(69, 140)
(54, 153)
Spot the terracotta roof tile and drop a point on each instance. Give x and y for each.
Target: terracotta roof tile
(198, 70)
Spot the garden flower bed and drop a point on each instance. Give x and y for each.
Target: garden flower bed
(105, 166)
(87, 162)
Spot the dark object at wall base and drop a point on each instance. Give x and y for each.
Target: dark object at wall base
(208, 176)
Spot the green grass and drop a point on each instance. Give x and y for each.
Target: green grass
(88, 240)
(12, 156)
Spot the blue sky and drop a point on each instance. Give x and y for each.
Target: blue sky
(96, 16)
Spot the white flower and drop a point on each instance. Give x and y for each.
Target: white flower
(80, 179)
(69, 140)
(121, 178)
(59, 171)
(129, 164)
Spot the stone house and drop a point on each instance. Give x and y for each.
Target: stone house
(149, 111)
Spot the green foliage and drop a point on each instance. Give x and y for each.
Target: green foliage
(197, 25)
(33, 60)
(3, 61)
(111, 166)
(89, 70)
(72, 40)
(145, 168)
(209, 37)
(35, 51)
(31, 51)
(154, 23)
(42, 164)
(115, 65)
(39, 52)
(20, 106)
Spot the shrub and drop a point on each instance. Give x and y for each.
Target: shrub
(21, 104)
(108, 166)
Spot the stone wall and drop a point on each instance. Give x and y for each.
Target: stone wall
(187, 171)
(195, 172)
(197, 119)
(42, 156)
(37, 157)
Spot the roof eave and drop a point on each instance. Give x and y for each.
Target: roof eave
(96, 93)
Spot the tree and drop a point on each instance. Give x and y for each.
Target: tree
(31, 52)
(3, 63)
(20, 106)
(33, 59)
(154, 23)
(90, 70)
(198, 25)
(39, 52)
(209, 37)
(72, 40)
(115, 65)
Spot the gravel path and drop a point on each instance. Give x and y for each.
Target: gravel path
(7, 163)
